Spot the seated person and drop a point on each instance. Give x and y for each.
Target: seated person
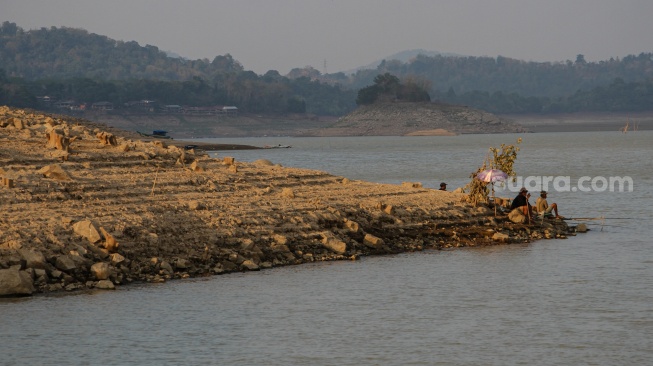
(543, 207)
(521, 202)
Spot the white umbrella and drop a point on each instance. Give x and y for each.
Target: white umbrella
(491, 176)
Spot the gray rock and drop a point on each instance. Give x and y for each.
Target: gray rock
(33, 259)
(65, 263)
(15, 283)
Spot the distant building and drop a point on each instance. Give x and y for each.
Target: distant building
(143, 104)
(102, 106)
(64, 104)
(172, 108)
(230, 110)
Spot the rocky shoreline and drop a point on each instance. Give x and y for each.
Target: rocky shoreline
(84, 206)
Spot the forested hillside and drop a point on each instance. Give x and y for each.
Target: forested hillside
(73, 64)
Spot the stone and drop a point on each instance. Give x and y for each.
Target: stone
(196, 167)
(116, 258)
(65, 263)
(33, 259)
(372, 241)
(582, 228)
(287, 193)
(389, 209)
(86, 229)
(195, 205)
(54, 171)
(110, 242)
(335, 245)
(517, 216)
(250, 265)
(105, 285)
(101, 270)
(500, 237)
(166, 267)
(57, 141)
(182, 264)
(107, 138)
(352, 226)
(228, 160)
(14, 282)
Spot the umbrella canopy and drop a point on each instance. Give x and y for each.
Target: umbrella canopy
(492, 175)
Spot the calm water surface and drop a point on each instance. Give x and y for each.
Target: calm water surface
(586, 300)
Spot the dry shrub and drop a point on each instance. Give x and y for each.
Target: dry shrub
(502, 158)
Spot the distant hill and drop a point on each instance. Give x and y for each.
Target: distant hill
(73, 64)
(403, 56)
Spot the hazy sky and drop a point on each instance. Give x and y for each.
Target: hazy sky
(283, 34)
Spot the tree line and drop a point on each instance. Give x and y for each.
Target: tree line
(68, 63)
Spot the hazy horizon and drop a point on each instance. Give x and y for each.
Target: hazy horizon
(338, 35)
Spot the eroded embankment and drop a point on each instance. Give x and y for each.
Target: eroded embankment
(83, 208)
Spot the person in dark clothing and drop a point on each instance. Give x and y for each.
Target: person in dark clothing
(443, 186)
(521, 202)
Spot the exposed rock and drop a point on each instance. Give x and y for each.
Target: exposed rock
(105, 285)
(65, 263)
(107, 138)
(517, 216)
(54, 171)
(110, 242)
(33, 258)
(582, 228)
(250, 265)
(101, 270)
(287, 193)
(333, 244)
(14, 282)
(173, 223)
(372, 241)
(500, 237)
(86, 229)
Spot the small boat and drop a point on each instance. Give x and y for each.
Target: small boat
(159, 134)
(277, 146)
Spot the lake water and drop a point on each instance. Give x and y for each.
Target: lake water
(582, 301)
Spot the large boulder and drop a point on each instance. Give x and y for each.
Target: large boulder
(517, 216)
(86, 229)
(101, 270)
(33, 259)
(372, 241)
(65, 263)
(15, 283)
(333, 244)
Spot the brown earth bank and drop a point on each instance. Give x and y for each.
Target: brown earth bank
(584, 122)
(383, 119)
(84, 206)
(414, 119)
